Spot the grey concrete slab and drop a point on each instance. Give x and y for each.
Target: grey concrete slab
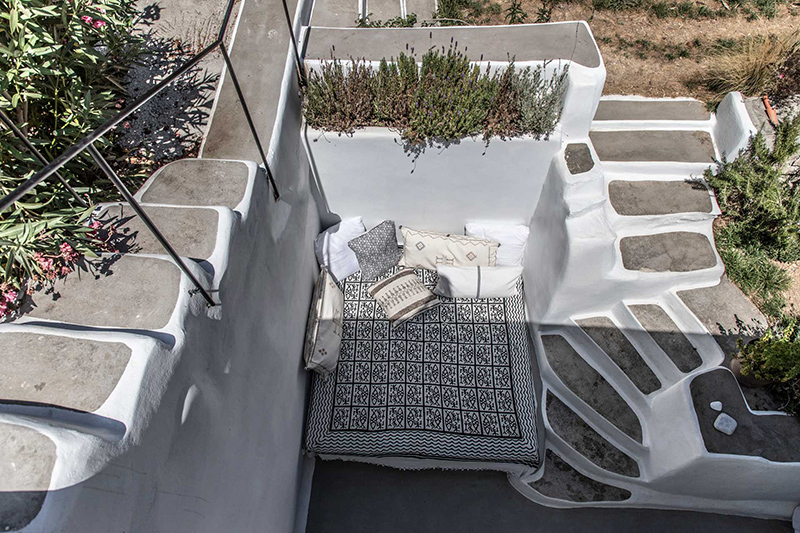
(73, 373)
(589, 443)
(132, 293)
(26, 465)
(191, 232)
(668, 336)
(635, 198)
(526, 43)
(335, 13)
(651, 110)
(423, 9)
(259, 56)
(199, 182)
(349, 497)
(726, 313)
(383, 10)
(590, 386)
(578, 158)
(614, 343)
(679, 251)
(673, 146)
(773, 437)
(563, 482)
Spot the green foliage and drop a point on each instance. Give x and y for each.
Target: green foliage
(396, 22)
(776, 355)
(459, 12)
(63, 63)
(446, 97)
(515, 14)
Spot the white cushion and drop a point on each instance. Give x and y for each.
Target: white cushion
(324, 328)
(402, 296)
(427, 249)
(512, 239)
(332, 250)
(477, 282)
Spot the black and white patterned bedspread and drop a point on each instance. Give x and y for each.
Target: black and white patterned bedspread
(452, 383)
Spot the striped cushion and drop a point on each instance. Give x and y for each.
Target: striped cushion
(402, 296)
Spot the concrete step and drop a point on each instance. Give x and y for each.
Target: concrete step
(26, 466)
(197, 182)
(335, 13)
(582, 438)
(668, 336)
(383, 10)
(637, 198)
(614, 343)
(651, 110)
(561, 481)
(192, 232)
(126, 292)
(423, 9)
(61, 371)
(666, 146)
(588, 385)
(678, 251)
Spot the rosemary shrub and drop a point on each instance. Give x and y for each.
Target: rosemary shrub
(444, 98)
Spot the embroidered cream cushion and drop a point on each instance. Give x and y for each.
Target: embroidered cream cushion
(324, 329)
(477, 282)
(428, 249)
(402, 296)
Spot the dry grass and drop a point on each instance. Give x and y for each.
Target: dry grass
(752, 70)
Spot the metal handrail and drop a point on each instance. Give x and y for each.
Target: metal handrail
(87, 142)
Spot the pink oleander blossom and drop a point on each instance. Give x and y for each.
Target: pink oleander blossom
(98, 24)
(10, 296)
(87, 19)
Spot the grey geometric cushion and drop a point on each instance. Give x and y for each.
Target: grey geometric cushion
(377, 250)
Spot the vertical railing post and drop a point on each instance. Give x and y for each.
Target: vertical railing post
(32, 149)
(301, 73)
(239, 93)
(126, 194)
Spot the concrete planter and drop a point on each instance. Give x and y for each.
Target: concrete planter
(747, 380)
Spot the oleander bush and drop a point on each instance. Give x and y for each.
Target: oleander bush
(63, 63)
(445, 98)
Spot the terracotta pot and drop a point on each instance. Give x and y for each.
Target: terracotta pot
(749, 380)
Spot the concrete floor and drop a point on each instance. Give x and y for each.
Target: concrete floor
(354, 498)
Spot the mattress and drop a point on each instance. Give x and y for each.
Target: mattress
(453, 383)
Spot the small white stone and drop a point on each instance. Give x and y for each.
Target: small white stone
(717, 406)
(725, 424)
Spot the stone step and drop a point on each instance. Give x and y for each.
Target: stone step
(191, 232)
(578, 158)
(383, 10)
(562, 482)
(637, 198)
(667, 146)
(773, 437)
(125, 292)
(26, 466)
(335, 13)
(678, 251)
(62, 371)
(197, 182)
(651, 110)
(588, 385)
(668, 336)
(614, 343)
(423, 9)
(586, 441)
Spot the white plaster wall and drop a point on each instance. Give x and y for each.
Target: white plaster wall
(369, 174)
(734, 127)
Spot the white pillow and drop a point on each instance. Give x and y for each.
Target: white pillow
(512, 239)
(332, 250)
(324, 327)
(427, 249)
(477, 282)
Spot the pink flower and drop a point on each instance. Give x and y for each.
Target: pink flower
(98, 24)
(11, 296)
(96, 224)
(65, 270)
(87, 19)
(3, 309)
